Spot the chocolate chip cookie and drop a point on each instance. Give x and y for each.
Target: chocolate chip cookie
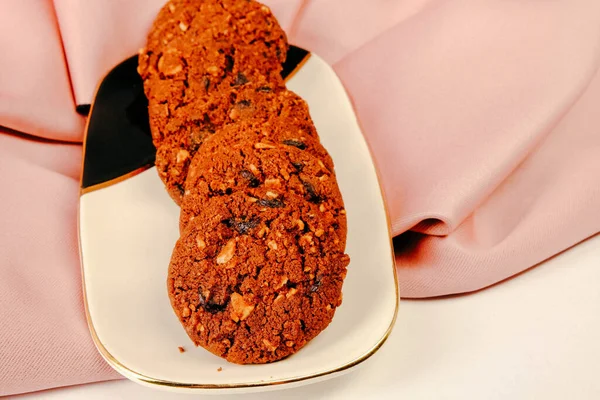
(270, 110)
(267, 168)
(197, 48)
(254, 283)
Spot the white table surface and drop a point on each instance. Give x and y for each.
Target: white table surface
(536, 336)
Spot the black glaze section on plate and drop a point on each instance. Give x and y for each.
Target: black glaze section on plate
(294, 56)
(83, 109)
(118, 139)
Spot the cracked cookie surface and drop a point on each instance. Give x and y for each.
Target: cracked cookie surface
(257, 107)
(266, 168)
(198, 48)
(252, 284)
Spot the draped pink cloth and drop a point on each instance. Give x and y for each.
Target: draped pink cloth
(483, 117)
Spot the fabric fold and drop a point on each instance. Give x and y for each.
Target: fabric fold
(45, 340)
(35, 89)
(548, 204)
(91, 56)
(466, 109)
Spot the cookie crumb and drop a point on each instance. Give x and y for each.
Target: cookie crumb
(219, 369)
(181, 349)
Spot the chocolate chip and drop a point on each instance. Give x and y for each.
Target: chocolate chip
(315, 286)
(313, 196)
(249, 176)
(295, 143)
(228, 63)
(272, 203)
(265, 89)
(206, 83)
(240, 79)
(230, 222)
(298, 166)
(243, 104)
(207, 124)
(179, 187)
(209, 305)
(242, 226)
(306, 229)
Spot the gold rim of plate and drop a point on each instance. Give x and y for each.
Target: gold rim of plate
(143, 379)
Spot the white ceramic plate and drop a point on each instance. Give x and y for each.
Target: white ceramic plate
(128, 226)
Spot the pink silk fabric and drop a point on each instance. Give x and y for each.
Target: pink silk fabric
(483, 117)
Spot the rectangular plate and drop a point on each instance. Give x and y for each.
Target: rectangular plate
(128, 226)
